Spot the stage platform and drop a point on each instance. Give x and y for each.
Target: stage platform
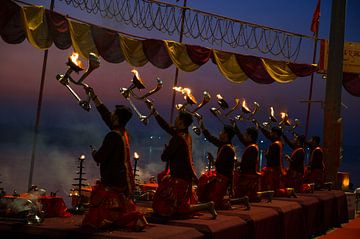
(307, 216)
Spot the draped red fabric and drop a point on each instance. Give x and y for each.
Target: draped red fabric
(108, 44)
(59, 29)
(315, 19)
(198, 54)
(12, 29)
(302, 69)
(351, 83)
(155, 51)
(254, 69)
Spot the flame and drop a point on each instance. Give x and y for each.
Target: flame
(245, 106)
(136, 156)
(185, 91)
(283, 115)
(256, 107)
(136, 73)
(219, 97)
(272, 111)
(75, 59)
(345, 182)
(178, 88)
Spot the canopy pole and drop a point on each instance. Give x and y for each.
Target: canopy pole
(38, 111)
(311, 87)
(177, 69)
(332, 113)
(315, 29)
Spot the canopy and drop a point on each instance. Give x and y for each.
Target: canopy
(42, 28)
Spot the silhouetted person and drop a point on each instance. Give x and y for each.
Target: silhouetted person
(175, 196)
(273, 171)
(111, 203)
(247, 179)
(295, 173)
(315, 171)
(213, 186)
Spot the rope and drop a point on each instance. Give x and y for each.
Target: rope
(212, 28)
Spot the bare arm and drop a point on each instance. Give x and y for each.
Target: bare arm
(161, 121)
(212, 139)
(165, 125)
(102, 109)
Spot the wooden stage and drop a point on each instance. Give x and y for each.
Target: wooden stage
(307, 216)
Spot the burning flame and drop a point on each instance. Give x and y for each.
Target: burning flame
(177, 88)
(187, 94)
(136, 156)
(244, 106)
(283, 115)
(219, 97)
(136, 73)
(272, 111)
(185, 91)
(75, 59)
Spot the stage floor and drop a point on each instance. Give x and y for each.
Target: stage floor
(309, 215)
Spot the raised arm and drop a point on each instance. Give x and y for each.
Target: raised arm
(212, 139)
(265, 132)
(164, 125)
(101, 108)
(161, 121)
(239, 134)
(289, 142)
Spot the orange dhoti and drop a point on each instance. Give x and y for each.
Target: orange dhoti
(294, 179)
(272, 180)
(173, 197)
(110, 207)
(316, 176)
(246, 184)
(213, 187)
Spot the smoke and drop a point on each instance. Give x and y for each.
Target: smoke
(56, 159)
(150, 170)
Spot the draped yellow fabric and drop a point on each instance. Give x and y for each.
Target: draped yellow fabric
(36, 27)
(228, 66)
(133, 51)
(278, 70)
(179, 56)
(81, 38)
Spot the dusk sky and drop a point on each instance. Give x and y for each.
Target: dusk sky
(20, 73)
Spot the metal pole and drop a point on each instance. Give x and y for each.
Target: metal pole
(177, 70)
(311, 87)
(316, 34)
(135, 169)
(38, 111)
(332, 114)
(80, 179)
